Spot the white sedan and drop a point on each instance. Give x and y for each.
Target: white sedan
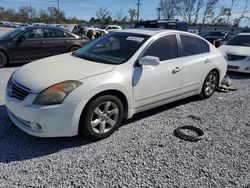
(92, 90)
(238, 53)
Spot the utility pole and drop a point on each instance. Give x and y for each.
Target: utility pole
(58, 7)
(138, 9)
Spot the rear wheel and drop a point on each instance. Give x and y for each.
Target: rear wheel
(3, 60)
(209, 85)
(74, 48)
(102, 117)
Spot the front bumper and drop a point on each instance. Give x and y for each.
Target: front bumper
(238, 66)
(44, 121)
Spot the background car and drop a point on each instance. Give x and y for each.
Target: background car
(92, 90)
(164, 24)
(111, 28)
(194, 31)
(238, 53)
(245, 30)
(32, 43)
(217, 38)
(96, 31)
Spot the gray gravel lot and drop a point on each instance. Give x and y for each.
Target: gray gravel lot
(143, 153)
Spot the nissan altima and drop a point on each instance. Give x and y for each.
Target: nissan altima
(26, 44)
(91, 91)
(237, 51)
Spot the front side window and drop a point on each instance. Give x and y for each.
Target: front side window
(165, 48)
(37, 34)
(193, 46)
(113, 48)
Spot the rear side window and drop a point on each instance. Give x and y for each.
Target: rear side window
(193, 46)
(165, 48)
(57, 34)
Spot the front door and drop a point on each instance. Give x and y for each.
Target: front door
(155, 84)
(32, 47)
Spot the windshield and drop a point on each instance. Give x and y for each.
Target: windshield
(239, 40)
(11, 34)
(113, 48)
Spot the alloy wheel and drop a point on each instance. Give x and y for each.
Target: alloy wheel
(104, 117)
(210, 84)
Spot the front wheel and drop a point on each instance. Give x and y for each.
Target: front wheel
(3, 60)
(209, 85)
(102, 117)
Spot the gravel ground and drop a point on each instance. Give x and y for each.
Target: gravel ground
(143, 153)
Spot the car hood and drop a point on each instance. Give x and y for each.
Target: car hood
(46, 72)
(235, 50)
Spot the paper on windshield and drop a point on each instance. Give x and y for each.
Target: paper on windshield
(133, 38)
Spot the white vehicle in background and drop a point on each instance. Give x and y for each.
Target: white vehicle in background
(237, 50)
(96, 31)
(111, 28)
(39, 25)
(194, 31)
(91, 91)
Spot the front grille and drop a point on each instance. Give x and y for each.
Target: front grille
(235, 57)
(233, 67)
(17, 91)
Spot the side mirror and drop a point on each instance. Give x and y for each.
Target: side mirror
(149, 60)
(21, 38)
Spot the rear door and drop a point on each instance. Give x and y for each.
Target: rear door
(196, 62)
(154, 84)
(58, 42)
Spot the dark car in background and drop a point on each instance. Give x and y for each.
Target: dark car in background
(163, 24)
(217, 38)
(31, 43)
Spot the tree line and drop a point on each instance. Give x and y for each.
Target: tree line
(195, 12)
(205, 12)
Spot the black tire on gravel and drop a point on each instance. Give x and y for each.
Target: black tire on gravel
(191, 138)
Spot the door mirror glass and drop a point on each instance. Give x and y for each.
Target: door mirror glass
(21, 38)
(149, 60)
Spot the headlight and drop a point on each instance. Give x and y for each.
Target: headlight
(56, 93)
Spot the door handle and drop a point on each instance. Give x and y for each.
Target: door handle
(207, 61)
(176, 69)
(66, 41)
(43, 42)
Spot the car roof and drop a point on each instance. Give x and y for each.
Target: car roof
(244, 34)
(152, 31)
(42, 27)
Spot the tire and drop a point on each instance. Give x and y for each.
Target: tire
(74, 48)
(3, 60)
(102, 117)
(210, 84)
(200, 134)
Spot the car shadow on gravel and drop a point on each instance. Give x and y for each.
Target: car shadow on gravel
(238, 75)
(16, 145)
